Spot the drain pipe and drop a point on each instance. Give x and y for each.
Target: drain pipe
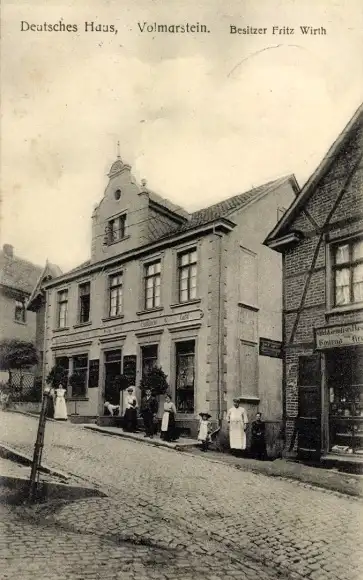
(219, 330)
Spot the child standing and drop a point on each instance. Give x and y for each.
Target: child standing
(205, 429)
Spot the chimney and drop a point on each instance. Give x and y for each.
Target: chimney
(8, 250)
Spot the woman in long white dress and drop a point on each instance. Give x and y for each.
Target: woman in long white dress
(60, 407)
(237, 420)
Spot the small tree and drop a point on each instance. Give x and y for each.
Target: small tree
(57, 376)
(156, 380)
(77, 383)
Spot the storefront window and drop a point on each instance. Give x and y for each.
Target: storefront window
(149, 358)
(348, 272)
(185, 376)
(345, 391)
(80, 370)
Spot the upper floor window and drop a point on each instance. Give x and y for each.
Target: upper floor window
(116, 229)
(187, 266)
(152, 285)
(115, 295)
(348, 272)
(62, 308)
(20, 310)
(84, 302)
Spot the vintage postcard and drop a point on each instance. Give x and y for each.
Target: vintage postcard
(181, 290)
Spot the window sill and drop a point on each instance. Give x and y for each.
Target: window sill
(150, 310)
(81, 324)
(110, 318)
(117, 241)
(75, 399)
(61, 329)
(178, 304)
(345, 308)
(24, 323)
(249, 399)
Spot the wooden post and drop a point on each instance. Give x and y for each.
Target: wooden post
(38, 447)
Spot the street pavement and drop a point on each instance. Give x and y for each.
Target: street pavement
(172, 515)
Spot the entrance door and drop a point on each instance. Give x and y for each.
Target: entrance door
(112, 376)
(310, 408)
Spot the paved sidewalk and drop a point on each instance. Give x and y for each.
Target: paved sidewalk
(181, 443)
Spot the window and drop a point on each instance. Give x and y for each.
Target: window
(112, 376)
(115, 295)
(348, 272)
(79, 375)
(185, 376)
(63, 362)
(84, 302)
(20, 310)
(187, 276)
(62, 309)
(116, 229)
(149, 358)
(152, 285)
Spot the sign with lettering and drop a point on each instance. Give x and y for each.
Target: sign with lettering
(129, 368)
(272, 348)
(94, 373)
(339, 336)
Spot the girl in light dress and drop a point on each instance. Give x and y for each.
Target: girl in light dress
(60, 407)
(168, 431)
(205, 428)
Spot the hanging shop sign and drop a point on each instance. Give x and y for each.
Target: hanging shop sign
(339, 336)
(270, 347)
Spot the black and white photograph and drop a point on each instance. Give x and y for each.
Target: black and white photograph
(181, 290)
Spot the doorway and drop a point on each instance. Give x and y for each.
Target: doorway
(112, 376)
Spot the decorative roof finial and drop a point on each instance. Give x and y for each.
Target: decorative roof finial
(143, 182)
(118, 150)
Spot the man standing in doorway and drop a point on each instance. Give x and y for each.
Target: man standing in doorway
(148, 410)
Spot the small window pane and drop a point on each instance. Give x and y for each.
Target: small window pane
(184, 273)
(149, 302)
(157, 300)
(158, 268)
(358, 283)
(358, 250)
(184, 259)
(342, 254)
(342, 287)
(193, 292)
(193, 256)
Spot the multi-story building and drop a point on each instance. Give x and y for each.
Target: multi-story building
(321, 240)
(195, 293)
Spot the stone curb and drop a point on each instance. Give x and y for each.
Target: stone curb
(8, 452)
(155, 442)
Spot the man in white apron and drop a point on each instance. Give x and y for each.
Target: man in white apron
(237, 421)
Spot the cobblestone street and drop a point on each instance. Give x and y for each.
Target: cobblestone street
(172, 515)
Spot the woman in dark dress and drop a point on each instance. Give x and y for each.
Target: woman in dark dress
(258, 443)
(130, 416)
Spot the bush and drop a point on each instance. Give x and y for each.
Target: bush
(57, 376)
(156, 380)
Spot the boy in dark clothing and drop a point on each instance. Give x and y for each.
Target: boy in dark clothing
(148, 410)
(258, 443)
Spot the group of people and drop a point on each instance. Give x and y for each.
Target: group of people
(148, 411)
(237, 422)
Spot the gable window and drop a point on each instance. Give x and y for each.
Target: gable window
(348, 272)
(62, 308)
(20, 310)
(115, 295)
(116, 229)
(84, 302)
(187, 268)
(152, 285)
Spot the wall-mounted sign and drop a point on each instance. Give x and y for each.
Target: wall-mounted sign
(339, 336)
(270, 347)
(129, 368)
(94, 373)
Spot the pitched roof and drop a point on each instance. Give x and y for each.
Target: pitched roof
(18, 273)
(49, 271)
(314, 179)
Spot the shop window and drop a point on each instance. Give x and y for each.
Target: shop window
(80, 371)
(20, 310)
(62, 308)
(347, 263)
(149, 358)
(185, 376)
(115, 298)
(152, 280)
(63, 362)
(112, 376)
(187, 275)
(84, 302)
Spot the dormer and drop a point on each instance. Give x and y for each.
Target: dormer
(130, 215)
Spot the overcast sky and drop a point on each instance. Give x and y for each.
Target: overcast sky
(201, 117)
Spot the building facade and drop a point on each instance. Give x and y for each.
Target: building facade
(192, 293)
(321, 240)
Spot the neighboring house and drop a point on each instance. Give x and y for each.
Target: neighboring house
(193, 293)
(17, 279)
(321, 240)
